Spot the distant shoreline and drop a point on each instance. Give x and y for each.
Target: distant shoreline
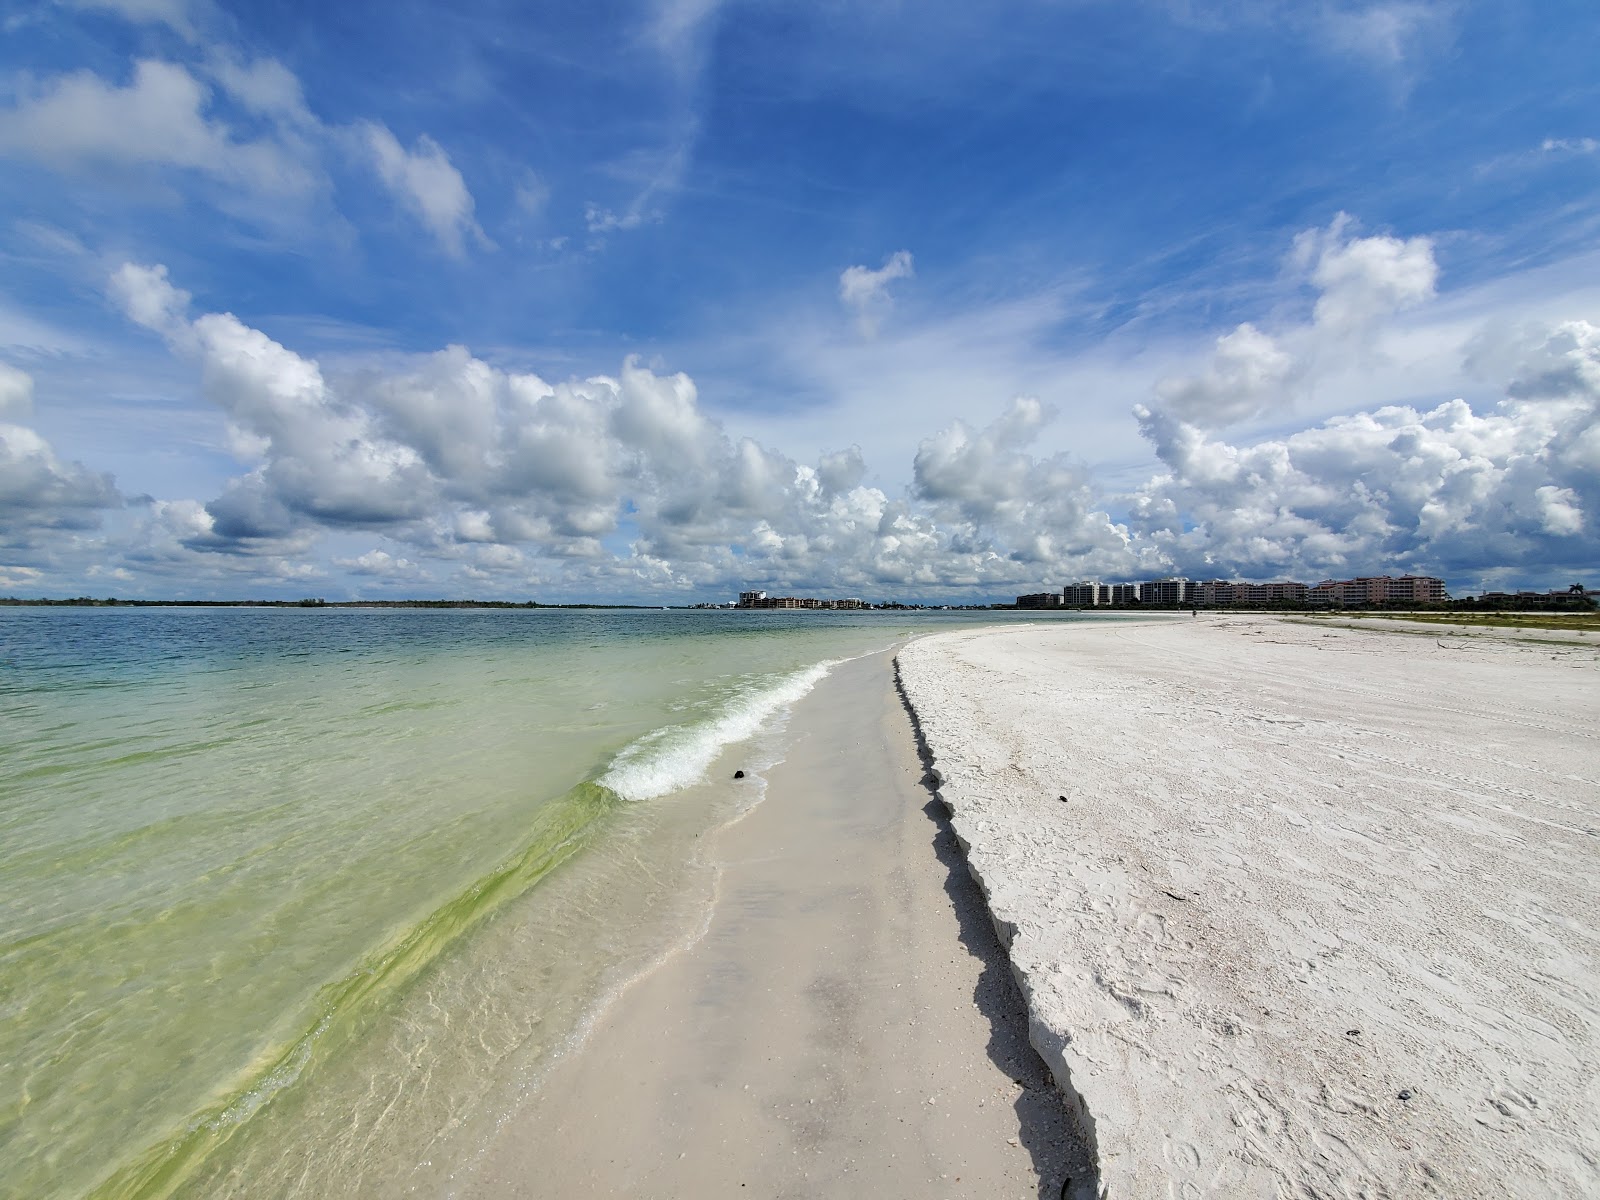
(1443, 615)
(113, 602)
(86, 602)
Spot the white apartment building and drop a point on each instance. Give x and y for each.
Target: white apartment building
(1173, 590)
(1091, 593)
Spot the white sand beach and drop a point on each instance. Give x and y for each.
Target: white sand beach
(1299, 909)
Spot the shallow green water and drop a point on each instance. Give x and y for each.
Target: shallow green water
(268, 922)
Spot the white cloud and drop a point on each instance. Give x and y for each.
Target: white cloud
(603, 220)
(158, 118)
(380, 564)
(148, 297)
(325, 460)
(656, 173)
(678, 26)
(173, 13)
(168, 116)
(1559, 511)
(509, 480)
(1570, 145)
(1385, 34)
(40, 494)
(19, 578)
(1249, 375)
(265, 87)
(996, 497)
(1362, 283)
(1364, 280)
(1442, 489)
(425, 181)
(1558, 363)
(866, 292)
(16, 393)
(497, 470)
(531, 194)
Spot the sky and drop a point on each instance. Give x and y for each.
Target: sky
(656, 302)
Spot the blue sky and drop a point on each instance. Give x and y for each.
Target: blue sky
(655, 301)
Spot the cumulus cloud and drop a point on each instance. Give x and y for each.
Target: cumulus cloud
(499, 471)
(992, 493)
(1363, 280)
(1250, 374)
(188, 119)
(39, 493)
(427, 184)
(1442, 489)
(865, 292)
(326, 460)
(482, 478)
(148, 297)
(1557, 364)
(1361, 283)
(158, 118)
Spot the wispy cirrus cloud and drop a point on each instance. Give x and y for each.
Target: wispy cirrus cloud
(1570, 145)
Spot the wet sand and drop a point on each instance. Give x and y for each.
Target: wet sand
(845, 1024)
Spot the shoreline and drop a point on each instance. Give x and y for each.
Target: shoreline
(846, 1023)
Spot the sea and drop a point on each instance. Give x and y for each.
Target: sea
(306, 901)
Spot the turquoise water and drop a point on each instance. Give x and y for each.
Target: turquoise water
(269, 922)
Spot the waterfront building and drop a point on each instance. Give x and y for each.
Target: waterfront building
(1091, 593)
(762, 600)
(1172, 590)
(1378, 589)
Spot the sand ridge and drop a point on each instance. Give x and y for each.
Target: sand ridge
(1297, 910)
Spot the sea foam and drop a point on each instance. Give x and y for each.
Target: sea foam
(675, 757)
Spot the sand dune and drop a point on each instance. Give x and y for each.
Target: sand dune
(1298, 910)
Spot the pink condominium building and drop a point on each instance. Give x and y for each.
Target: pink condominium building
(1216, 592)
(1379, 589)
(1225, 593)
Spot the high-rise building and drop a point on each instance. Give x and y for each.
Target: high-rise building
(1091, 593)
(1172, 590)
